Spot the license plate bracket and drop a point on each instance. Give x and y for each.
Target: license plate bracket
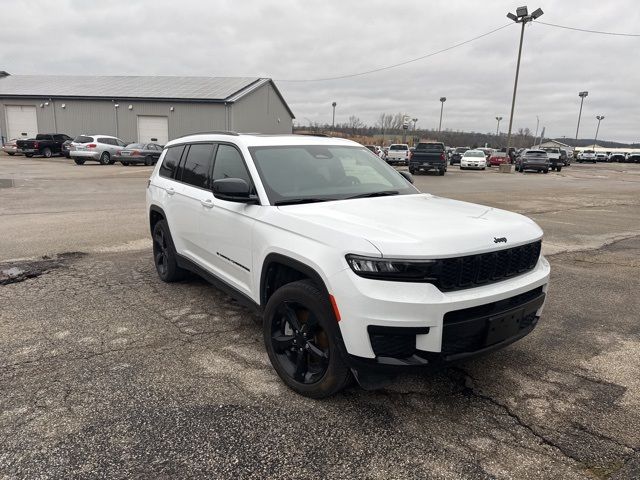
(504, 326)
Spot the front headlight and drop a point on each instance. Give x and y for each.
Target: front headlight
(392, 269)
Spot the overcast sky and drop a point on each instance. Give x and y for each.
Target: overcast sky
(296, 39)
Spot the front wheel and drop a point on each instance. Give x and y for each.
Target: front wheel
(47, 153)
(165, 257)
(546, 170)
(302, 339)
(125, 164)
(105, 158)
(78, 161)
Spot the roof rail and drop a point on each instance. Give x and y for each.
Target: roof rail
(213, 132)
(310, 134)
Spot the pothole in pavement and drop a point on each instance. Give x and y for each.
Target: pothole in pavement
(19, 271)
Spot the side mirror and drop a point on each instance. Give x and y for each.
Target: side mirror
(232, 189)
(408, 177)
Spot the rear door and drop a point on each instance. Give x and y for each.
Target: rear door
(22, 122)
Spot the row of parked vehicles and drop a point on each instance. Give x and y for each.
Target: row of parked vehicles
(619, 157)
(104, 149)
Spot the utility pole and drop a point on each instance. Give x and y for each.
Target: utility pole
(522, 16)
(581, 95)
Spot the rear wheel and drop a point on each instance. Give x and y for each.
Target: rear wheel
(28, 155)
(558, 169)
(148, 161)
(105, 158)
(126, 164)
(546, 170)
(164, 254)
(78, 161)
(302, 340)
(46, 153)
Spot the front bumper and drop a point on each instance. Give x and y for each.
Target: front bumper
(446, 326)
(85, 154)
(10, 149)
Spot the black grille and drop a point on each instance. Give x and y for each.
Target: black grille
(474, 270)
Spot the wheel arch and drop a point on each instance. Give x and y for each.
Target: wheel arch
(272, 277)
(155, 215)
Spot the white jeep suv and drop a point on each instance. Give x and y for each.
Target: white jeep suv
(353, 270)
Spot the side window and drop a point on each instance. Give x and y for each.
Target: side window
(119, 142)
(104, 140)
(170, 162)
(195, 169)
(229, 164)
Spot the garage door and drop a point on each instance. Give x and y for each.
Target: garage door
(153, 129)
(21, 121)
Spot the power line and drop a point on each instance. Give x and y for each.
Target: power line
(589, 31)
(388, 67)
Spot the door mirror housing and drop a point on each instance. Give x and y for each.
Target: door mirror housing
(408, 177)
(233, 190)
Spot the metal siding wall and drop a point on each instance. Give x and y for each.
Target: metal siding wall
(259, 112)
(98, 116)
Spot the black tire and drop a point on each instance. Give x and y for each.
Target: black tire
(46, 153)
(78, 161)
(558, 169)
(303, 342)
(11, 154)
(164, 254)
(412, 171)
(441, 172)
(546, 170)
(105, 158)
(28, 155)
(125, 164)
(148, 161)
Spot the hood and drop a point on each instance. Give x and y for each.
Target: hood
(419, 225)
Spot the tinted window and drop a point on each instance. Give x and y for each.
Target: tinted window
(119, 142)
(229, 164)
(473, 154)
(104, 140)
(83, 139)
(398, 147)
(430, 146)
(170, 162)
(194, 170)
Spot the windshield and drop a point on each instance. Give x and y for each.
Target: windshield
(473, 154)
(319, 172)
(430, 146)
(398, 147)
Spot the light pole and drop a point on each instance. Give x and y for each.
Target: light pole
(581, 95)
(522, 16)
(333, 121)
(498, 126)
(442, 100)
(599, 118)
(537, 125)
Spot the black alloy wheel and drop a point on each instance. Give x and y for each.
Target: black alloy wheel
(164, 254)
(302, 338)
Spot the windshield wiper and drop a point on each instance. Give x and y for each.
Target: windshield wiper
(294, 201)
(382, 193)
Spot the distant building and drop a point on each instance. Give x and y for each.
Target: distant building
(144, 109)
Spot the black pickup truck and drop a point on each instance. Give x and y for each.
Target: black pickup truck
(45, 144)
(428, 156)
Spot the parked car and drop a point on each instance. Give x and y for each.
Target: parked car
(487, 152)
(533, 160)
(601, 157)
(97, 148)
(428, 156)
(499, 157)
(633, 158)
(587, 156)
(11, 147)
(556, 162)
(398, 154)
(353, 271)
(457, 155)
(45, 144)
(475, 159)
(617, 157)
(567, 156)
(147, 153)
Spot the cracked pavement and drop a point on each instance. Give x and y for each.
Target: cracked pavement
(106, 372)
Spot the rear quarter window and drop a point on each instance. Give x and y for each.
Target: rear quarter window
(170, 162)
(83, 139)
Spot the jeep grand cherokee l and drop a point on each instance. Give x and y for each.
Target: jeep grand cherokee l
(353, 270)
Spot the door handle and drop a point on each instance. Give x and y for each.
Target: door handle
(170, 191)
(208, 203)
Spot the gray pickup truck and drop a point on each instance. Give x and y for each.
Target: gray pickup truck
(428, 156)
(556, 158)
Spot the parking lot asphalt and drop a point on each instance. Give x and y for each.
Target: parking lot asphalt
(109, 373)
